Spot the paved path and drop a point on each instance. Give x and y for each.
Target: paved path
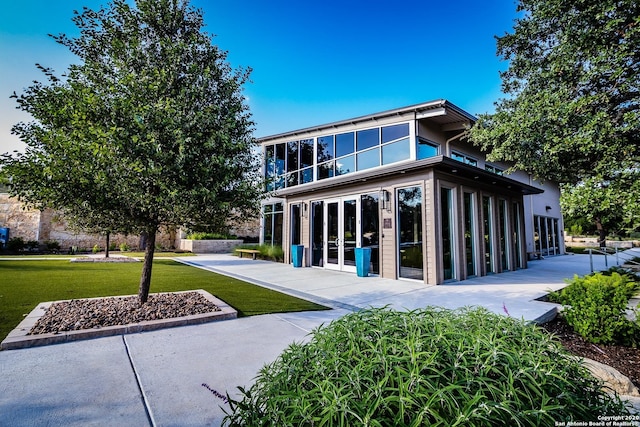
(166, 377)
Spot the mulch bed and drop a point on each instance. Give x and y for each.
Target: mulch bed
(624, 359)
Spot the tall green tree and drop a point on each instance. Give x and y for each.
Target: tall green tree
(149, 128)
(572, 110)
(609, 205)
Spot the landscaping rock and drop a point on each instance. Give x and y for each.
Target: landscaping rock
(612, 378)
(102, 312)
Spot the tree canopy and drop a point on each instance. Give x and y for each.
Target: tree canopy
(149, 128)
(572, 108)
(573, 86)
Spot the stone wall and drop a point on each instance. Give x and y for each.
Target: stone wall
(209, 246)
(21, 222)
(48, 225)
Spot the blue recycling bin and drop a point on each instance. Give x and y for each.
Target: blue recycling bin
(4, 237)
(297, 251)
(363, 259)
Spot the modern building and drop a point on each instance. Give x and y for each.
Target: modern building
(407, 184)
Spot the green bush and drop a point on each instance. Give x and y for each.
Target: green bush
(210, 236)
(124, 247)
(433, 366)
(52, 245)
(95, 249)
(595, 306)
(16, 244)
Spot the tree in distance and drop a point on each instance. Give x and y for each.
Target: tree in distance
(572, 111)
(149, 129)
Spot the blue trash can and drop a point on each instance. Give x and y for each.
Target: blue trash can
(297, 251)
(363, 259)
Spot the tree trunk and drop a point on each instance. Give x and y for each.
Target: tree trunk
(602, 233)
(145, 279)
(106, 249)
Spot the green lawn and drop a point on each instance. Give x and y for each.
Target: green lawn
(23, 284)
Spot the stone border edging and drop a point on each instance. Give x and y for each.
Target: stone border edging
(18, 337)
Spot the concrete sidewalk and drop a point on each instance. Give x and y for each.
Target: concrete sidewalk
(171, 377)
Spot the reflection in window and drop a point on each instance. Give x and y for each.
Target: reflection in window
(292, 156)
(410, 233)
(503, 221)
(345, 165)
(493, 169)
(446, 216)
(391, 133)
(344, 144)
(368, 159)
(273, 218)
(487, 216)
(325, 170)
(369, 228)
(426, 149)
(325, 148)
(306, 153)
(464, 158)
(469, 234)
(367, 138)
(306, 175)
(396, 151)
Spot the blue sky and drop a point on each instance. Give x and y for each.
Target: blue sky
(313, 62)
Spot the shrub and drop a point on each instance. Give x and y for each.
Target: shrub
(16, 244)
(432, 366)
(210, 236)
(124, 247)
(595, 306)
(95, 249)
(52, 246)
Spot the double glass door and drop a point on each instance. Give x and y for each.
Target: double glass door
(342, 233)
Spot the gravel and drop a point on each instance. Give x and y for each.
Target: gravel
(100, 312)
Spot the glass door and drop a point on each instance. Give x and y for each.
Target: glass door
(342, 233)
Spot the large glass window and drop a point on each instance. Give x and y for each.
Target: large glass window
(344, 144)
(503, 219)
(517, 235)
(273, 220)
(469, 234)
(487, 223)
(368, 159)
(369, 225)
(317, 236)
(410, 233)
(345, 165)
(294, 162)
(325, 148)
(427, 149)
(545, 231)
(326, 170)
(367, 138)
(446, 218)
(391, 133)
(395, 151)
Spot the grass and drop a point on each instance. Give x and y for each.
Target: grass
(26, 283)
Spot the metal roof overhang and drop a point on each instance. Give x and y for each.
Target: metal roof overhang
(440, 111)
(470, 175)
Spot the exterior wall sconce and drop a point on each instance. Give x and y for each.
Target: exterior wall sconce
(305, 209)
(386, 200)
(547, 208)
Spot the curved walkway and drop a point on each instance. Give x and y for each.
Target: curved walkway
(175, 377)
